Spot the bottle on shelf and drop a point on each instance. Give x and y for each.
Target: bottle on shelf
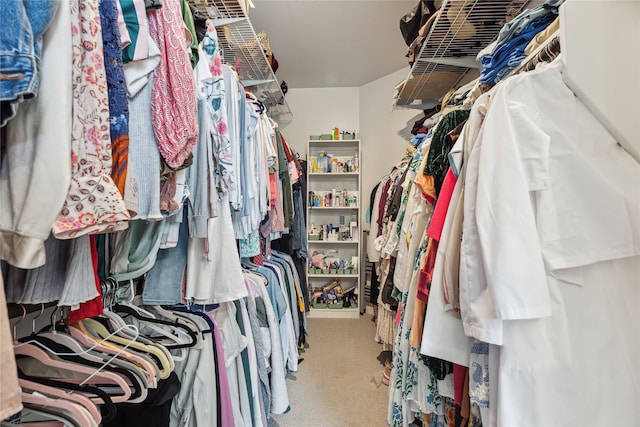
(322, 162)
(356, 163)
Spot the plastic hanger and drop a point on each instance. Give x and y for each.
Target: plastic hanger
(90, 351)
(79, 414)
(190, 334)
(36, 350)
(38, 416)
(99, 330)
(113, 320)
(153, 333)
(178, 318)
(181, 336)
(83, 357)
(54, 392)
(148, 366)
(95, 394)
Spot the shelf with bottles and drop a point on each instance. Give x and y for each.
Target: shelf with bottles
(341, 232)
(334, 208)
(333, 199)
(330, 163)
(334, 173)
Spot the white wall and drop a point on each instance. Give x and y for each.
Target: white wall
(601, 48)
(385, 133)
(319, 110)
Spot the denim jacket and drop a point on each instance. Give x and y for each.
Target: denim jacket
(22, 24)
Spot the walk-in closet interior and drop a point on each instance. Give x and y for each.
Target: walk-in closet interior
(320, 213)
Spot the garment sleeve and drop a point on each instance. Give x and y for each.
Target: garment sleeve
(513, 164)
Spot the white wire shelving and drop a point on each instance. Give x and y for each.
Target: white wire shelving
(462, 29)
(242, 49)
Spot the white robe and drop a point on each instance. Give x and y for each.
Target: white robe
(558, 233)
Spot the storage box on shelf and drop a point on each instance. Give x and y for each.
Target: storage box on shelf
(333, 215)
(334, 295)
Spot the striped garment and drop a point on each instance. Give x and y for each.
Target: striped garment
(135, 41)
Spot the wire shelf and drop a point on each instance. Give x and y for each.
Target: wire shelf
(241, 48)
(460, 31)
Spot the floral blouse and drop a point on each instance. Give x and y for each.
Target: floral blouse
(94, 203)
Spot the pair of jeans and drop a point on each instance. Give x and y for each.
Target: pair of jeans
(23, 22)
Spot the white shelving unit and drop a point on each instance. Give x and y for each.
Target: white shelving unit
(320, 183)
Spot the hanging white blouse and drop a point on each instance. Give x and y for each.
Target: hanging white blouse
(214, 274)
(446, 337)
(373, 253)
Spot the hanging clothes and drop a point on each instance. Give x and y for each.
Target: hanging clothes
(214, 274)
(118, 105)
(94, 203)
(570, 256)
(21, 38)
(221, 346)
(173, 108)
(67, 273)
(36, 162)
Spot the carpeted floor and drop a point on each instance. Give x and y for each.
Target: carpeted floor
(339, 382)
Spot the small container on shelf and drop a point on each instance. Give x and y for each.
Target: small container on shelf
(319, 305)
(335, 305)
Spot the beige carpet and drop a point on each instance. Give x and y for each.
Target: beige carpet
(339, 382)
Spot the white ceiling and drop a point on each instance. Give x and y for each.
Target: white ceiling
(333, 43)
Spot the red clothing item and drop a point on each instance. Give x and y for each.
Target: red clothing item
(459, 374)
(92, 307)
(442, 206)
(434, 232)
(259, 259)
